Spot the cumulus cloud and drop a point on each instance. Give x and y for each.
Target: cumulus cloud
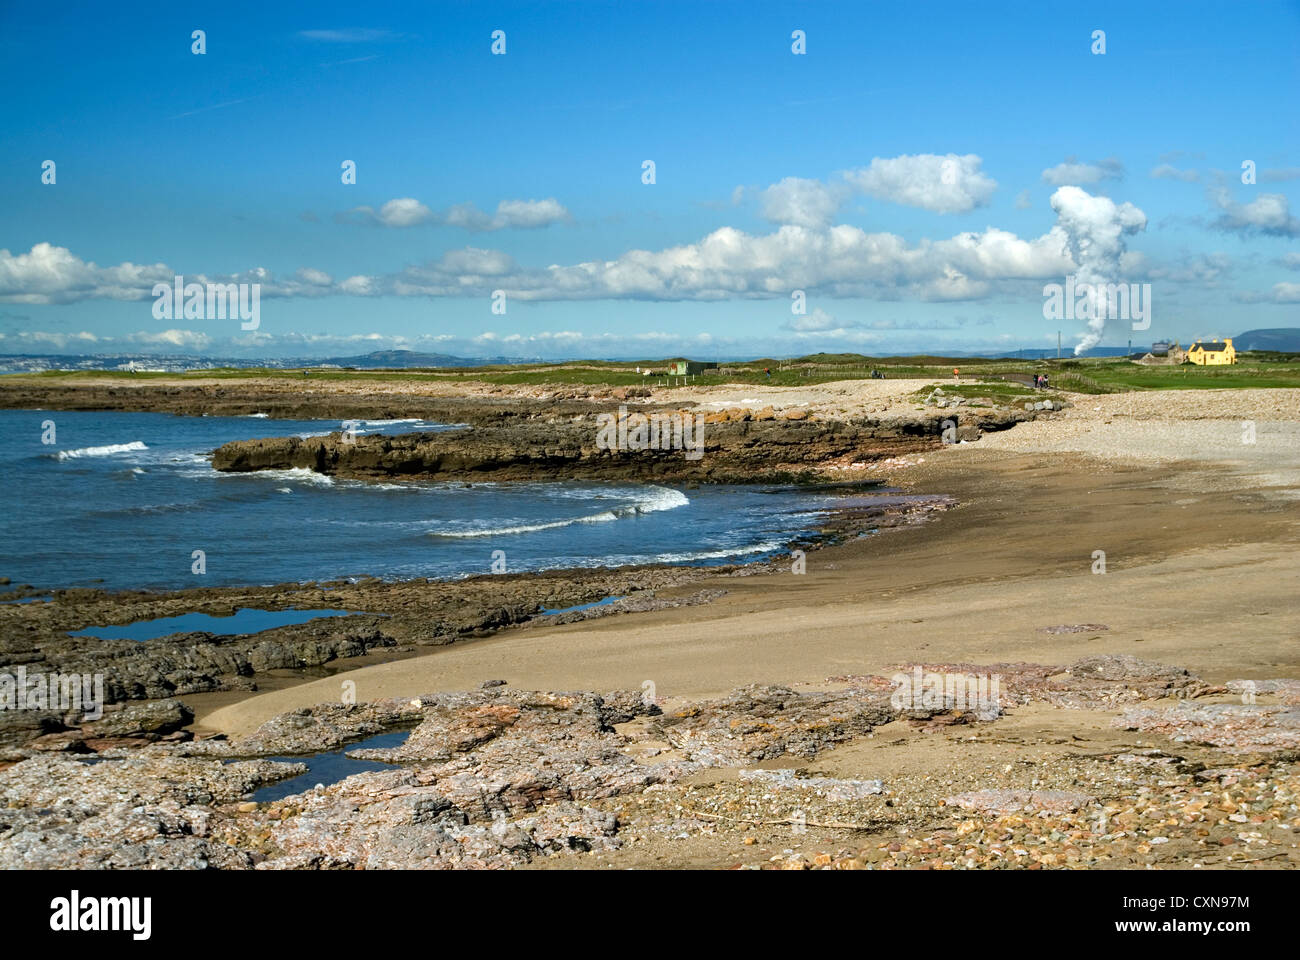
(1023, 200)
(819, 321)
(841, 261)
(804, 203)
(47, 338)
(943, 184)
(1290, 260)
(837, 261)
(50, 274)
(1095, 228)
(409, 212)
(315, 278)
(189, 339)
(1268, 213)
(401, 212)
(1071, 172)
(519, 214)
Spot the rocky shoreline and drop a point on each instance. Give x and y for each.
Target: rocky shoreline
(504, 778)
(539, 434)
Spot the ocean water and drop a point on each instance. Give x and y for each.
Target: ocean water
(123, 500)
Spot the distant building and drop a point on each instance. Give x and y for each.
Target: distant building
(1212, 353)
(1164, 352)
(683, 368)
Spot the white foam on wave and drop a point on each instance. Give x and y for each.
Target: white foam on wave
(105, 451)
(301, 474)
(687, 556)
(657, 499)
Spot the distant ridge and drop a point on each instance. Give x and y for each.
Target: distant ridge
(412, 358)
(1283, 339)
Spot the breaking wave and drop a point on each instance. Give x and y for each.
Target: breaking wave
(106, 451)
(302, 474)
(659, 498)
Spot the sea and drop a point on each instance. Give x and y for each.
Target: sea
(122, 500)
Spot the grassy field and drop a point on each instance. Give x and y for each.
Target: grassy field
(997, 376)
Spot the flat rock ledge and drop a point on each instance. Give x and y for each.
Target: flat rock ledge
(497, 777)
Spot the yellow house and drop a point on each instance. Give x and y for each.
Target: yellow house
(1211, 353)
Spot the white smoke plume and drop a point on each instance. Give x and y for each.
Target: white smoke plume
(1095, 229)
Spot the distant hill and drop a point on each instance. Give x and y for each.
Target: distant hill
(410, 358)
(1283, 339)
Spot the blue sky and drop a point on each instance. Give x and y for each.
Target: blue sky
(921, 172)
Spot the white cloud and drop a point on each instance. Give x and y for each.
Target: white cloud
(46, 338)
(804, 203)
(50, 274)
(1071, 172)
(315, 278)
(401, 212)
(191, 339)
(409, 212)
(943, 184)
(1023, 200)
(520, 214)
(838, 261)
(819, 321)
(1268, 213)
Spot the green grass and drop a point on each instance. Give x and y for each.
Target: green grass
(1126, 375)
(997, 390)
(1091, 376)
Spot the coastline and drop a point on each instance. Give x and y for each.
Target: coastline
(1013, 552)
(776, 685)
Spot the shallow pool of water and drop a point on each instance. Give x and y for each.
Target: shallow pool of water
(331, 767)
(582, 606)
(244, 620)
